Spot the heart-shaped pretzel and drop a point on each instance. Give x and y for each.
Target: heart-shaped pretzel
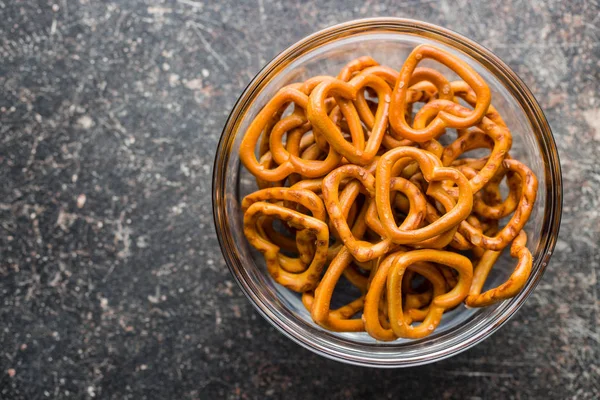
(309, 278)
(381, 330)
(437, 83)
(443, 120)
(289, 162)
(502, 139)
(320, 311)
(507, 234)
(305, 167)
(433, 171)
(338, 320)
(513, 284)
(283, 97)
(346, 92)
(299, 245)
(304, 239)
(346, 109)
(415, 209)
(361, 250)
(398, 321)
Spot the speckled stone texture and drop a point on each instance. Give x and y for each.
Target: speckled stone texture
(112, 284)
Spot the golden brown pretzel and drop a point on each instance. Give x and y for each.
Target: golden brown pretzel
(396, 316)
(425, 83)
(361, 250)
(502, 140)
(346, 92)
(338, 320)
(513, 284)
(304, 239)
(488, 202)
(443, 119)
(305, 280)
(291, 163)
(507, 234)
(305, 167)
(415, 199)
(433, 171)
(283, 97)
(402, 327)
(320, 311)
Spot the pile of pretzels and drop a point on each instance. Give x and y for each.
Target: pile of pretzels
(363, 188)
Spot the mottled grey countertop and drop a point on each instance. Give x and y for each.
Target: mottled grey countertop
(112, 284)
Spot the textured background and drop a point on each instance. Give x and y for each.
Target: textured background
(112, 284)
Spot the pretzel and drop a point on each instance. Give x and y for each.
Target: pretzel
(338, 320)
(320, 308)
(433, 171)
(367, 189)
(416, 208)
(317, 114)
(371, 312)
(443, 120)
(519, 218)
(508, 289)
(307, 168)
(303, 197)
(362, 251)
(451, 299)
(335, 114)
(425, 82)
(292, 163)
(301, 282)
(500, 136)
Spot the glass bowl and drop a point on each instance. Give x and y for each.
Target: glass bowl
(389, 41)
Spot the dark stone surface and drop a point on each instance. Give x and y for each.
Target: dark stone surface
(112, 284)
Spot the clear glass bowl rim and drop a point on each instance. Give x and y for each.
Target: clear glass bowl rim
(331, 347)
